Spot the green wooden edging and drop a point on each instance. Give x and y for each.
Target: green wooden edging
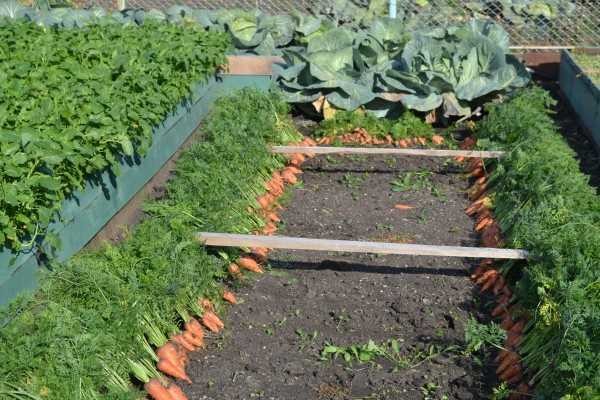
(582, 93)
(89, 210)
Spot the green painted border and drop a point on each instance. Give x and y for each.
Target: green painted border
(583, 94)
(89, 210)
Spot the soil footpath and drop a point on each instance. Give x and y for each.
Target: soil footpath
(272, 344)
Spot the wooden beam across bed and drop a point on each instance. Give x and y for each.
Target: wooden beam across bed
(386, 150)
(297, 243)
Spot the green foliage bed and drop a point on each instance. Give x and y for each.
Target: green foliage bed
(73, 338)
(74, 102)
(545, 204)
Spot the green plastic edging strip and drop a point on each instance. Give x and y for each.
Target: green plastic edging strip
(89, 210)
(583, 94)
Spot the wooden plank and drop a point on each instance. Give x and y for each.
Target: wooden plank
(296, 243)
(385, 150)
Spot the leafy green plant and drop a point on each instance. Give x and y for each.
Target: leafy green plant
(590, 64)
(391, 350)
(407, 125)
(478, 335)
(74, 103)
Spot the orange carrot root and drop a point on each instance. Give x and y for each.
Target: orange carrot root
(194, 327)
(176, 392)
(248, 263)
(234, 271)
(511, 359)
(170, 369)
(403, 207)
(157, 391)
(229, 297)
(437, 139)
(194, 340)
(169, 351)
(180, 340)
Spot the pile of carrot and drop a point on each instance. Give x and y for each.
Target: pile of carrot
(173, 355)
(361, 136)
(510, 368)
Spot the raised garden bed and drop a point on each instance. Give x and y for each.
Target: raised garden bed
(87, 212)
(582, 92)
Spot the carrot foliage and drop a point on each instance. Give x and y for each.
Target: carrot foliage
(546, 205)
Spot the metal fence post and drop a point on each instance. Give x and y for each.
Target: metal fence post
(392, 9)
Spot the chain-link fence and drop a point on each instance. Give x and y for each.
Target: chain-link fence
(531, 23)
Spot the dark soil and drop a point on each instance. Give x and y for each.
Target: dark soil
(272, 342)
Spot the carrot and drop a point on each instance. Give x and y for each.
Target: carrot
(459, 159)
(485, 276)
(217, 320)
(499, 310)
(206, 304)
(234, 270)
(193, 340)
(170, 369)
(259, 253)
(273, 217)
(265, 200)
(403, 143)
(249, 264)
(477, 191)
(513, 339)
(294, 170)
(437, 139)
(289, 177)
(156, 390)
(472, 209)
(480, 270)
(210, 324)
(489, 282)
(517, 378)
(506, 322)
(229, 297)
(502, 354)
(511, 359)
(476, 173)
(170, 352)
(468, 143)
(421, 140)
(180, 340)
(194, 327)
(481, 180)
(510, 372)
(176, 392)
(518, 327)
(269, 228)
(506, 291)
(483, 223)
(403, 207)
(297, 159)
(500, 282)
(483, 214)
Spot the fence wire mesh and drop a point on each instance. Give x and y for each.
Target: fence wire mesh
(530, 23)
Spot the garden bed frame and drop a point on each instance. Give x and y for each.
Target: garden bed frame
(582, 94)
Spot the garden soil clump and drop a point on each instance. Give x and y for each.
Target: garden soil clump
(272, 344)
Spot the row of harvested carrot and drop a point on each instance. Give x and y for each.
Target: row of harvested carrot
(361, 136)
(269, 207)
(510, 368)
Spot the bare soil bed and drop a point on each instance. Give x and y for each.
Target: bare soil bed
(272, 344)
